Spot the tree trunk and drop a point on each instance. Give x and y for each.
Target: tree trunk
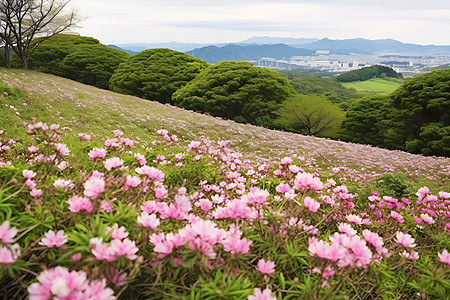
(7, 57)
(24, 62)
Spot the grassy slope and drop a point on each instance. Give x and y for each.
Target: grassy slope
(97, 112)
(374, 85)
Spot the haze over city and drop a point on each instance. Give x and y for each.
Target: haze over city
(200, 21)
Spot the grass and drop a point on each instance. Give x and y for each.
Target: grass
(374, 85)
(97, 112)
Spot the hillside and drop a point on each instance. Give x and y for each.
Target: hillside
(213, 54)
(94, 111)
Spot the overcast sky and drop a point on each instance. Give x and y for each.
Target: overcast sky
(211, 21)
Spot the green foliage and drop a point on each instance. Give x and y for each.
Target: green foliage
(92, 64)
(237, 91)
(367, 73)
(396, 185)
(79, 58)
(155, 74)
(50, 53)
(222, 287)
(364, 120)
(307, 84)
(421, 115)
(311, 115)
(415, 117)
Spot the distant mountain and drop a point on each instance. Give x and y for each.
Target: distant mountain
(126, 50)
(182, 47)
(214, 54)
(261, 40)
(364, 46)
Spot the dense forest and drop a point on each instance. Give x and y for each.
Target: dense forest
(413, 118)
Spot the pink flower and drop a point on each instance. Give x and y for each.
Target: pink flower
(7, 233)
(97, 153)
(265, 267)
(113, 162)
(161, 193)
(132, 181)
(256, 195)
(354, 219)
(118, 133)
(28, 174)
(444, 257)
(444, 195)
(264, 295)
(140, 158)
(306, 181)
(283, 188)
(204, 204)
(9, 253)
(33, 149)
(61, 183)
(398, 217)
(404, 239)
(427, 218)
(311, 204)
(93, 187)
(125, 248)
(151, 173)
(77, 204)
(59, 283)
(112, 275)
(118, 233)
(35, 193)
(346, 228)
(148, 220)
(52, 239)
(97, 290)
(62, 149)
(374, 239)
(76, 257)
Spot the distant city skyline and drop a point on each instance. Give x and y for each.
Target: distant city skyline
(217, 21)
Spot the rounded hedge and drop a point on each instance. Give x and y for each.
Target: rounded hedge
(237, 91)
(155, 74)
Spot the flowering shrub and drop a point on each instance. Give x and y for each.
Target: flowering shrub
(174, 219)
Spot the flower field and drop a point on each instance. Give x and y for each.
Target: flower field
(100, 200)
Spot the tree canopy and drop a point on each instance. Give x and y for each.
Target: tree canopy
(421, 114)
(364, 122)
(48, 57)
(367, 73)
(237, 91)
(311, 115)
(308, 84)
(155, 74)
(415, 117)
(75, 57)
(92, 64)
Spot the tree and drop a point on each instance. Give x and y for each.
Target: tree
(421, 114)
(155, 74)
(368, 73)
(24, 20)
(365, 120)
(308, 84)
(49, 55)
(92, 64)
(311, 115)
(237, 91)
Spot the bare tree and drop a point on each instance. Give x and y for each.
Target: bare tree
(24, 24)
